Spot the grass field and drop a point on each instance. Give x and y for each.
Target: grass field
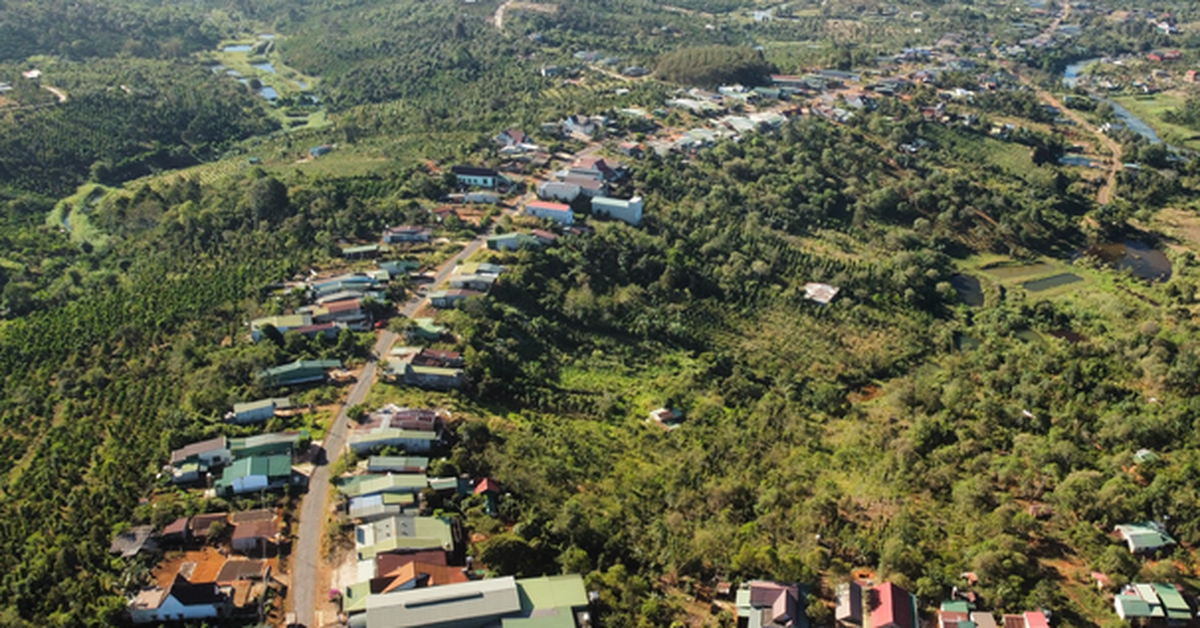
(75, 209)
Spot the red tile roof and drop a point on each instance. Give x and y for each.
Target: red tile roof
(891, 606)
(487, 485)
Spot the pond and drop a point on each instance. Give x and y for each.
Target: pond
(218, 68)
(268, 92)
(1054, 281)
(968, 289)
(264, 66)
(1076, 160)
(238, 48)
(302, 84)
(1139, 258)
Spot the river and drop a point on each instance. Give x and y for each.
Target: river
(1131, 122)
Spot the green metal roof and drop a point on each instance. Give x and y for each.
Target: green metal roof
(288, 321)
(392, 483)
(1133, 605)
(1145, 536)
(552, 592)
(956, 606)
(264, 443)
(554, 618)
(355, 598)
(435, 370)
(1176, 606)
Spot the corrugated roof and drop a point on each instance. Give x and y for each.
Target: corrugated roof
(480, 600)
(548, 592)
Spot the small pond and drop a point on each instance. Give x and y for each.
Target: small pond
(268, 92)
(1139, 258)
(238, 48)
(264, 66)
(302, 84)
(969, 289)
(1054, 281)
(218, 68)
(1076, 160)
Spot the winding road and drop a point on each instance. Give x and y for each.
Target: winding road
(314, 511)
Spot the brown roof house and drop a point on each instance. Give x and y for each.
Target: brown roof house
(771, 605)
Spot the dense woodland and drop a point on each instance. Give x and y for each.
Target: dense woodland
(871, 422)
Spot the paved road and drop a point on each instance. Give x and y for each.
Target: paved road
(314, 510)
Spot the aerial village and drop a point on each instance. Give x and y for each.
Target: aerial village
(402, 553)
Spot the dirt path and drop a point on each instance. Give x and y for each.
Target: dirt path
(498, 17)
(60, 94)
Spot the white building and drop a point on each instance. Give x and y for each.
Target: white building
(629, 211)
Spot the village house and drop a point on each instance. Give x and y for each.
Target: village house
(589, 186)
(581, 125)
(397, 464)
(191, 462)
(511, 137)
(556, 212)
(255, 473)
(425, 329)
(249, 412)
(597, 168)
(201, 527)
(407, 234)
(510, 241)
(282, 323)
(481, 283)
(1144, 538)
(892, 607)
(1154, 605)
(298, 372)
(627, 211)
(849, 611)
(544, 238)
(771, 605)
(134, 541)
(526, 603)
(378, 506)
(445, 299)
(476, 177)
(254, 531)
(822, 293)
(412, 441)
(434, 377)
(269, 444)
(443, 359)
(407, 533)
(361, 251)
(558, 191)
(182, 601)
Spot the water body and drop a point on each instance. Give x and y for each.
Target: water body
(218, 68)
(266, 36)
(1051, 282)
(264, 66)
(1076, 160)
(1139, 258)
(268, 92)
(969, 289)
(1131, 122)
(1071, 73)
(1134, 123)
(238, 48)
(302, 84)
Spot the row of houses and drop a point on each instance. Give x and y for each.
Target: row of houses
(468, 280)
(247, 464)
(416, 431)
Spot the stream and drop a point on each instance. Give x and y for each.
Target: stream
(1131, 122)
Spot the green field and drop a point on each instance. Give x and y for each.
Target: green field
(1150, 110)
(75, 210)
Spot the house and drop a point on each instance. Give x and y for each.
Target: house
(438, 378)
(348, 312)
(511, 137)
(581, 125)
(490, 489)
(476, 177)
(549, 601)
(551, 71)
(134, 541)
(632, 149)
(558, 191)
(892, 607)
(412, 441)
(597, 168)
(443, 359)
(249, 412)
(411, 575)
(404, 534)
(269, 444)
(281, 323)
(544, 237)
(443, 299)
(361, 251)
(407, 234)
(629, 211)
(1190, 76)
(1144, 538)
(822, 293)
(1153, 603)
(510, 241)
(177, 532)
(850, 604)
(666, 418)
(397, 464)
(635, 71)
(557, 212)
(257, 473)
(378, 506)
(983, 620)
(191, 462)
(952, 613)
(318, 151)
(589, 186)
(391, 415)
(1035, 619)
(480, 283)
(255, 535)
(298, 372)
(767, 604)
(182, 601)
(425, 329)
(200, 527)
